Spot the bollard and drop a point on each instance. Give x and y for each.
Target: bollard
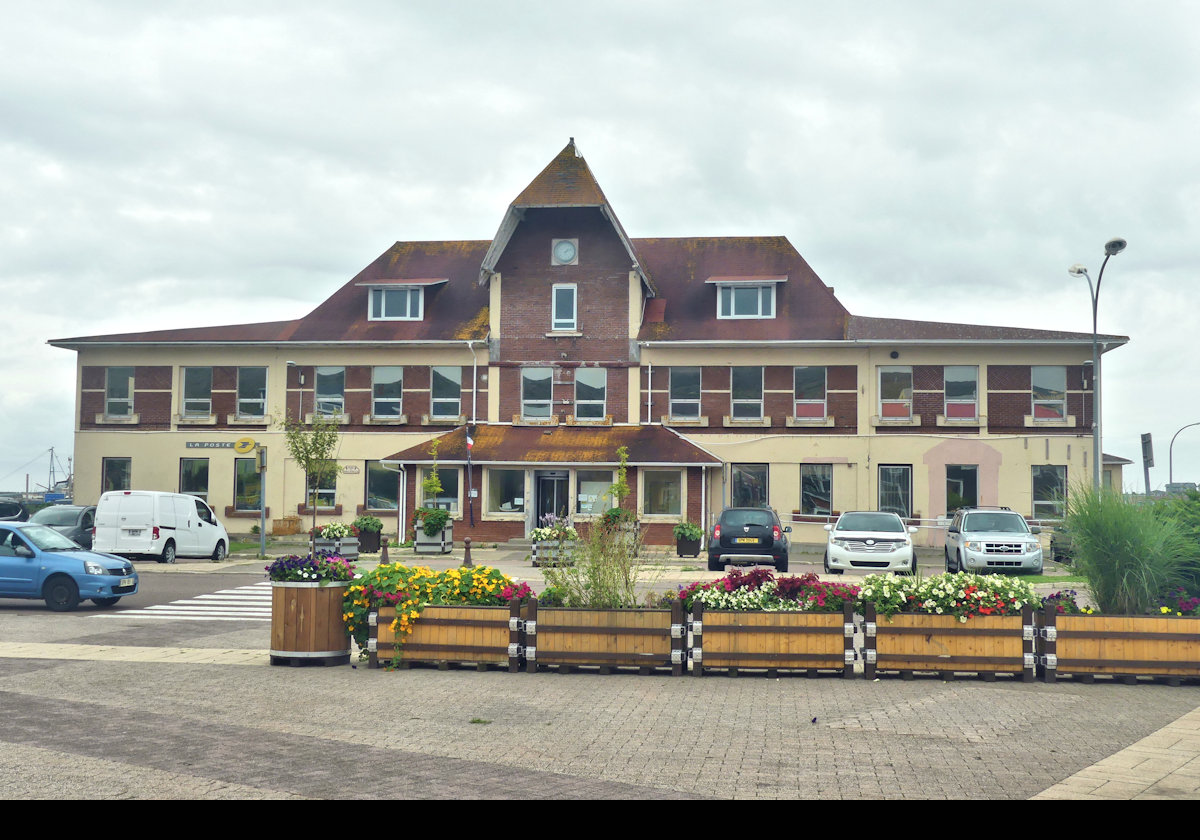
(467, 552)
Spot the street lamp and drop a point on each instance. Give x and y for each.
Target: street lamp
(1112, 247)
(1171, 455)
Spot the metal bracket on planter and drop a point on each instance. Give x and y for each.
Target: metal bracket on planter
(1030, 660)
(1050, 634)
(530, 627)
(869, 628)
(848, 629)
(869, 655)
(373, 619)
(696, 627)
(514, 650)
(697, 655)
(1028, 632)
(1049, 662)
(677, 657)
(515, 623)
(850, 656)
(372, 645)
(531, 653)
(676, 631)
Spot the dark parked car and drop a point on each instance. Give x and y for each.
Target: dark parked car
(73, 521)
(12, 510)
(748, 536)
(1060, 545)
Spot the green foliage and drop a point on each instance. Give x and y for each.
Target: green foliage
(314, 448)
(430, 520)
(605, 573)
(1130, 554)
(431, 485)
(688, 531)
(368, 523)
(620, 489)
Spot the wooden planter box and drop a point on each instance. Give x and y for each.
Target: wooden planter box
(644, 639)
(687, 548)
(307, 625)
(441, 543)
(773, 641)
(1120, 645)
(286, 525)
(346, 548)
(550, 553)
(480, 636)
(985, 645)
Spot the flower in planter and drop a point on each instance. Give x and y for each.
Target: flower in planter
(759, 590)
(310, 568)
(372, 524)
(962, 595)
(554, 529)
(335, 531)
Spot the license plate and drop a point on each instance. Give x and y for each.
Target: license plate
(135, 532)
(126, 582)
(741, 540)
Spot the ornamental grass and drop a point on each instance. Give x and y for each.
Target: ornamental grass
(411, 588)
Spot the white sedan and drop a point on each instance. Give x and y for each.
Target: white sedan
(870, 541)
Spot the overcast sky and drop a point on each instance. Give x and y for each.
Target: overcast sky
(169, 164)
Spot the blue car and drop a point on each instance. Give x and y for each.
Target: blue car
(39, 562)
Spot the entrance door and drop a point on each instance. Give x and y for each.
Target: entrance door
(551, 494)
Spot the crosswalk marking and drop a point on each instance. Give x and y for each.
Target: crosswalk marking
(245, 603)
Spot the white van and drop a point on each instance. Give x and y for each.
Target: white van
(141, 524)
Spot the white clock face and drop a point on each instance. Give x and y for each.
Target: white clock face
(564, 252)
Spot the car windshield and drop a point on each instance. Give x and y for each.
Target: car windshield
(47, 539)
(738, 518)
(55, 516)
(1005, 523)
(886, 522)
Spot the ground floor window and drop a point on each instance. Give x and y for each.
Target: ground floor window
(591, 491)
(247, 484)
(895, 489)
(962, 487)
(1049, 491)
(114, 474)
(193, 477)
(448, 498)
(383, 491)
(749, 483)
(816, 489)
(662, 492)
(506, 491)
(323, 490)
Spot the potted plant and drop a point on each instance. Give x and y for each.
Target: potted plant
(307, 626)
(553, 541)
(433, 529)
(336, 538)
(687, 539)
(369, 529)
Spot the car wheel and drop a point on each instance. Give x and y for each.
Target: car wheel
(168, 553)
(105, 602)
(715, 565)
(781, 566)
(913, 569)
(61, 593)
(218, 555)
(948, 569)
(960, 566)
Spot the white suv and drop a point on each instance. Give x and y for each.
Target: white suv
(870, 541)
(992, 540)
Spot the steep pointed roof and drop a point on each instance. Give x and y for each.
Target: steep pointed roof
(567, 181)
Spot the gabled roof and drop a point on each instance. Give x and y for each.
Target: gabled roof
(567, 181)
(648, 445)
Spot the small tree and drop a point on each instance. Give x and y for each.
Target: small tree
(314, 448)
(431, 520)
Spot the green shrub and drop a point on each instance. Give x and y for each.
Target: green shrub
(605, 573)
(1130, 554)
(688, 531)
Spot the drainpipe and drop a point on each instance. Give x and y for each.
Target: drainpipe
(474, 378)
(649, 391)
(704, 501)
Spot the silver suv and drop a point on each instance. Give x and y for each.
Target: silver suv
(992, 539)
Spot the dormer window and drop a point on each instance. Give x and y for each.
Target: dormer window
(402, 304)
(746, 297)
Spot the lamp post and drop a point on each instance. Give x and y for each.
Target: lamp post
(1171, 455)
(1112, 247)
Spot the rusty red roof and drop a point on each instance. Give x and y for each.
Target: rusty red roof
(567, 181)
(648, 445)
(860, 328)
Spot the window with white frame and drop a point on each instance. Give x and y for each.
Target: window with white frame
(809, 392)
(590, 392)
(746, 300)
(396, 304)
(749, 485)
(1049, 491)
(118, 392)
(446, 391)
(537, 388)
(506, 490)
(746, 393)
(323, 490)
(252, 392)
(685, 393)
(962, 392)
(565, 316)
(331, 391)
(591, 491)
(895, 392)
(197, 392)
(448, 498)
(816, 489)
(115, 474)
(662, 492)
(383, 492)
(895, 489)
(387, 391)
(1049, 392)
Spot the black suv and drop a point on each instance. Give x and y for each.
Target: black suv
(11, 510)
(748, 536)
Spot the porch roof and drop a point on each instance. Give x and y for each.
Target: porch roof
(562, 445)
